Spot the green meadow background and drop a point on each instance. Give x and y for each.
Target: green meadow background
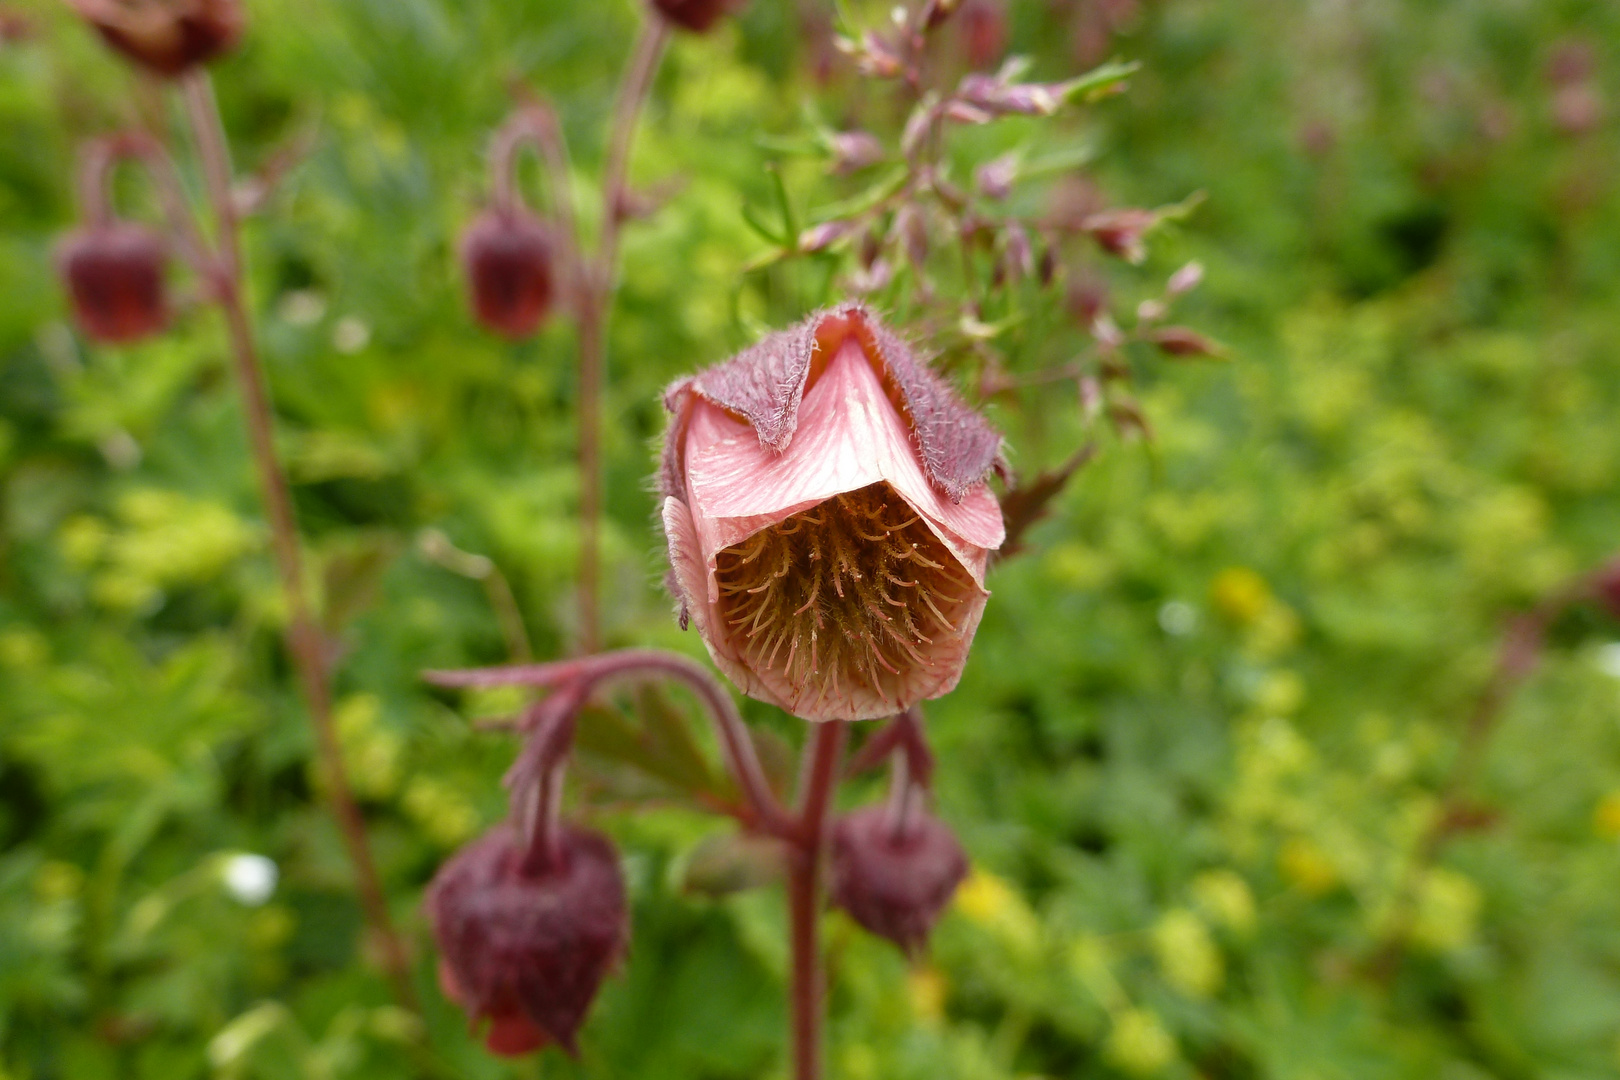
(1211, 712)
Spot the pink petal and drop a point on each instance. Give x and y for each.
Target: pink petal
(700, 595)
(849, 436)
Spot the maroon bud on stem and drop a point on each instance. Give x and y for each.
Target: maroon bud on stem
(698, 16)
(507, 260)
(528, 950)
(895, 881)
(115, 278)
(169, 37)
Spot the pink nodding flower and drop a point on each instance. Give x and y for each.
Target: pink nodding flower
(828, 519)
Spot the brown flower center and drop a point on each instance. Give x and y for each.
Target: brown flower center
(856, 590)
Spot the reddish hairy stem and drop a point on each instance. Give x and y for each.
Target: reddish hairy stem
(95, 172)
(629, 663)
(304, 638)
(596, 291)
(804, 886)
(536, 125)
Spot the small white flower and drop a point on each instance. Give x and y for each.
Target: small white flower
(1608, 659)
(351, 334)
(250, 879)
(1178, 618)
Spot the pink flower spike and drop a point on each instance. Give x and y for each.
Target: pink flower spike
(828, 519)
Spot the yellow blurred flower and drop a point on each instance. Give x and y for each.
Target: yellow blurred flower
(23, 648)
(57, 880)
(373, 753)
(1187, 955)
(1448, 908)
(1240, 594)
(1139, 1044)
(926, 990)
(440, 810)
(1225, 897)
(1307, 867)
(1606, 816)
(993, 904)
(1280, 693)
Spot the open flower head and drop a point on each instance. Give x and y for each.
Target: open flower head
(828, 519)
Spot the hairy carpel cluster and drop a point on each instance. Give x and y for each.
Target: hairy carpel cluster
(854, 590)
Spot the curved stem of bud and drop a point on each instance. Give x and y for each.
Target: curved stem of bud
(535, 124)
(587, 672)
(101, 156)
(903, 794)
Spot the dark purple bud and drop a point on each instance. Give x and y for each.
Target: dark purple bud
(115, 278)
(895, 883)
(698, 16)
(937, 12)
(169, 37)
(1087, 298)
(912, 231)
(506, 256)
(1180, 341)
(528, 950)
(1121, 232)
(1046, 268)
(855, 150)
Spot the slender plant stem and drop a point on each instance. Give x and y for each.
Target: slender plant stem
(805, 861)
(304, 639)
(587, 671)
(594, 305)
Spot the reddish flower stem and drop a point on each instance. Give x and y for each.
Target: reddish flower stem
(804, 885)
(304, 639)
(593, 304)
(589, 671)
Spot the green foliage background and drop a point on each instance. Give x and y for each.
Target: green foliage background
(1210, 713)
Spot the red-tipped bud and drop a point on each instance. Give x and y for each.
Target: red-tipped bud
(507, 259)
(169, 37)
(894, 882)
(698, 16)
(528, 950)
(115, 277)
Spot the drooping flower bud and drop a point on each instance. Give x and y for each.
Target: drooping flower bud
(524, 949)
(169, 37)
(507, 258)
(828, 519)
(895, 882)
(114, 275)
(697, 16)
